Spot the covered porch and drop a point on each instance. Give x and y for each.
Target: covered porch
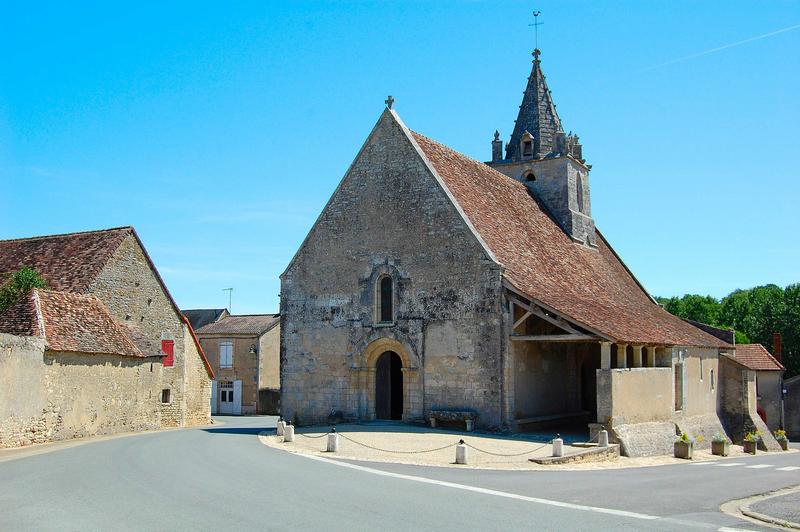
(559, 374)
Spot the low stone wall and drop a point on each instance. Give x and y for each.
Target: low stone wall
(596, 454)
(644, 439)
(46, 396)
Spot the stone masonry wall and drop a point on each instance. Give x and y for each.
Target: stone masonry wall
(556, 185)
(269, 345)
(197, 387)
(133, 294)
(389, 216)
(47, 396)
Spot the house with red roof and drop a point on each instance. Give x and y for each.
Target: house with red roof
(102, 349)
(434, 287)
(769, 381)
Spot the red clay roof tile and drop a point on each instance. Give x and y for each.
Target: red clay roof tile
(68, 262)
(590, 286)
(756, 357)
(69, 322)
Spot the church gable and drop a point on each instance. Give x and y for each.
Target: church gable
(390, 205)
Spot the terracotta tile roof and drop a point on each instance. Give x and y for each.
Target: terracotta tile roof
(68, 262)
(589, 286)
(69, 322)
(756, 357)
(255, 324)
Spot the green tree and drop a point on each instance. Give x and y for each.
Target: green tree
(704, 309)
(20, 283)
(790, 330)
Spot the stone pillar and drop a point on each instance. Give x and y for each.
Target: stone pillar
(602, 438)
(333, 441)
(651, 357)
(605, 355)
(558, 446)
(288, 433)
(622, 357)
(280, 427)
(637, 356)
(462, 453)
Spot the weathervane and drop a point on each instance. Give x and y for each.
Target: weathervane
(536, 25)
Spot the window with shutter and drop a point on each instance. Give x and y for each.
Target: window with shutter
(168, 348)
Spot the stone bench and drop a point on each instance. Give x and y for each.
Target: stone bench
(466, 416)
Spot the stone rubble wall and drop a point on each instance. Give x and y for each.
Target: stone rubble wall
(47, 396)
(133, 294)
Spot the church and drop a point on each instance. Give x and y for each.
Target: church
(435, 283)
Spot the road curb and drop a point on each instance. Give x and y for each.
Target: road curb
(741, 508)
(745, 509)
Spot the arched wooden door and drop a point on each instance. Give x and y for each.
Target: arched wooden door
(389, 386)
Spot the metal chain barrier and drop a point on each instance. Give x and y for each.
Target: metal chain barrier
(506, 455)
(397, 452)
(503, 454)
(311, 437)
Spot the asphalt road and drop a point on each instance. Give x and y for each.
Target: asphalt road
(224, 478)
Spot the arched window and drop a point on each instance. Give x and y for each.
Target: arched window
(530, 177)
(579, 184)
(385, 298)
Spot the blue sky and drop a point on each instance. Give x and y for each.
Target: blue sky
(219, 130)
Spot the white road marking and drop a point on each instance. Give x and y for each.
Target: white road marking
(700, 463)
(729, 529)
(759, 466)
(485, 491)
(788, 468)
(729, 464)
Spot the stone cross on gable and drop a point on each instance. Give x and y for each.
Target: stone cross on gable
(389, 101)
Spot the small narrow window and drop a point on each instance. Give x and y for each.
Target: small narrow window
(168, 348)
(701, 368)
(530, 176)
(386, 300)
(226, 353)
(527, 148)
(579, 185)
(165, 396)
(711, 378)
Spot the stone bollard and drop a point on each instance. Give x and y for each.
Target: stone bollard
(333, 441)
(288, 433)
(279, 428)
(462, 453)
(558, 446)
(602, 438)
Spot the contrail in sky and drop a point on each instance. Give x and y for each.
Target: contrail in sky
(724, 47)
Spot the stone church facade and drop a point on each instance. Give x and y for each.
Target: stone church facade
(434, 282)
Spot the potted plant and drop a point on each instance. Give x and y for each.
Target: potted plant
(751, 441)
(720, 445)
(684, 446)
(780, 435)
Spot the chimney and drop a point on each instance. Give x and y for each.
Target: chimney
(776, 346)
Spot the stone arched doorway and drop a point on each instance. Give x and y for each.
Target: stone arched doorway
(400, 361)
(389, 386)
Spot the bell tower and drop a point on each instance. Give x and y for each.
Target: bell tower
(548, 161)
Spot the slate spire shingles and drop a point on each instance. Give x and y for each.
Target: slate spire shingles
(537, 116)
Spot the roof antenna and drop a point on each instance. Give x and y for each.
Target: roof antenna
(230, 297)
(536, 25)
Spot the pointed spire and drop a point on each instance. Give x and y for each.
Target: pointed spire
(537, 115)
